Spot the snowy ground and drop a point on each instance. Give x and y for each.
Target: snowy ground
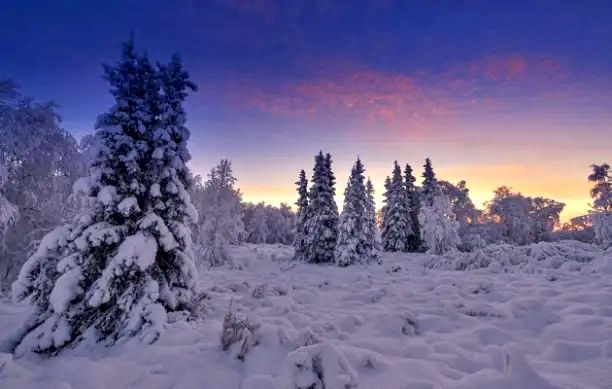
(395, 325)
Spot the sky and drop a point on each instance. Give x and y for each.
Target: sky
(515, 93)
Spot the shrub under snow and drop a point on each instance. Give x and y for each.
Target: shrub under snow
(505, 258)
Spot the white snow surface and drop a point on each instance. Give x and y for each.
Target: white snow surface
(395, 325)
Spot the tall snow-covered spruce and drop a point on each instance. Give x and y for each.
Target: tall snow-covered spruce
(321, 226)
(397, 226)
(429, 187)
(355, 239)
(302, 216)
(414, 205)
(371, 229)
(121, 265)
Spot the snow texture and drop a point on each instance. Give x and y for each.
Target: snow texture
(394, 326)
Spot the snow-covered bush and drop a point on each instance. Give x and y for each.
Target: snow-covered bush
(237, 334)
(123, 263)
(320, 366)
(471, 243)
(505, 258)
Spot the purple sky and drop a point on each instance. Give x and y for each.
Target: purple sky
(495, 93)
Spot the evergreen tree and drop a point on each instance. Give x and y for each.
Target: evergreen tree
(414, 205)
(332, 178)
(321, 227)
(386, 196)
(396, 223)
(302, 216)
(428, 190)
(122, 264)
(370, 223)
(354, 240)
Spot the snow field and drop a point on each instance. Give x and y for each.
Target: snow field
(395, 325)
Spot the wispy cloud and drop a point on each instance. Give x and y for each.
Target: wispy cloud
(395, 97)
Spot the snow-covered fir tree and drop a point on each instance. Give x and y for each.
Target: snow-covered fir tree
(386, 195)
(370, 222)
(439, 229)
(321, 226)
(125, 262)
(221, 215)
(414, 205)
(355, 240)
(301, 217)
(332, 179)
(397, 226)
(429, 187)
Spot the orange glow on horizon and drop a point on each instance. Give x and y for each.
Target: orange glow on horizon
(481, 180)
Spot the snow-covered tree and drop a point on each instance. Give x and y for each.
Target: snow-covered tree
(39, 162)
(413, 206)
(439, 229)
(430, 184)
(515, 218)
(269, 224)
(281, 224)
(370, 222)
(257, 227)
(355, 240)
(332, 179)
(221, 215)
(397, 226)
(602, 191)
(602, 203)
(120, 266)
(301, 217)
(321, 227)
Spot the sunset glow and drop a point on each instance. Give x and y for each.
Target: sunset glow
(494, 100)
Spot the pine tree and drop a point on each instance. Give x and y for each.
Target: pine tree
(370, 223)
(428, 190)
(386, 196)
(414, 205)
(322, 224)
(302, 216)
(122, 264)
(354, 240)
(332, 178)
(438, 225)
(396, 222)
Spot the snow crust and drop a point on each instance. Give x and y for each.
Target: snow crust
(395, 325)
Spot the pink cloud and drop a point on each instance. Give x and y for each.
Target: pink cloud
(401, 100)
(358, 93)
(498, 68)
